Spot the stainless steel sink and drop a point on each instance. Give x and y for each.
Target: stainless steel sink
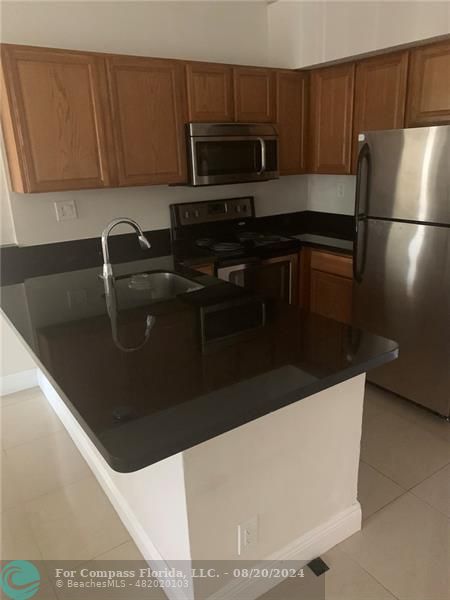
(156, 285)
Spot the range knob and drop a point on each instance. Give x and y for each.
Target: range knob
(187, 214)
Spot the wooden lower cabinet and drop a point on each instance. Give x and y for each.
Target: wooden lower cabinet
(326, 284)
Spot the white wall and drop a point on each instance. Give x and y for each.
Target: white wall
(332, 193)
(307, 33)
(224, 31)
(35, 220)
(291, 482)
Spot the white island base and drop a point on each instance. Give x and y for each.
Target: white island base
(294, 470)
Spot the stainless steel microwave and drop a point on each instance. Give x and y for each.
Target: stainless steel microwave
(232, 152)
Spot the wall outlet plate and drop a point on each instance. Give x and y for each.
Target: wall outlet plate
(340, 190)
(247, 534)
(66, 210)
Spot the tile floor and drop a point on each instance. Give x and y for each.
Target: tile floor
(52, 506)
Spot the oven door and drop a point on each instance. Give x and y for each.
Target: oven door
(271, 278)
(233, 159)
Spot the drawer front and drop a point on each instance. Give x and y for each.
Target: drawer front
(328, 262)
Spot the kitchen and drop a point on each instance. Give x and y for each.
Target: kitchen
(129, 130)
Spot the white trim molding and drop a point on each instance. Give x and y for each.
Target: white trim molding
(301, 551)
(16, 382)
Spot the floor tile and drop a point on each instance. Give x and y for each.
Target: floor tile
(10, 493)
(45, 464)
(82, 500)
(126, 551)
(27, 394)
(347, 580)
(401, 449)
(405, 547)
(27, 420)
(379, 400)
(17, 539)
(436, 490)
(78, 540)
(375, 490)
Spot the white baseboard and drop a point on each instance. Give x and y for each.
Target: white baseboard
(315, 542)
(18, 382)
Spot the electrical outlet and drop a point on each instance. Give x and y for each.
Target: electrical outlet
(247, 534)
(66, 210)
(340, 190)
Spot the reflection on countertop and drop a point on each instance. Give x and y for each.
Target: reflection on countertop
(216, 357)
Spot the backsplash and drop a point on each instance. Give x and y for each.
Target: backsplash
(35, 218)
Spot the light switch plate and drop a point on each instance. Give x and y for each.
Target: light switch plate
(66, 210)
(247, 534)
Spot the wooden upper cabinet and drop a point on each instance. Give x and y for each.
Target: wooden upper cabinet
(331, 119)
(380, 94)
(149, 112)
(428, 100)
(210, 92)
(54, 119)
(291, 100)
(254, 95)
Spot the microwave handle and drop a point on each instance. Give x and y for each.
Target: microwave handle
(263, 156)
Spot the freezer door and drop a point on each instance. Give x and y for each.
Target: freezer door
(409, 174)
(403, 293)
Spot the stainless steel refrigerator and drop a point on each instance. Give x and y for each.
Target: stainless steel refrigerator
(402, 257)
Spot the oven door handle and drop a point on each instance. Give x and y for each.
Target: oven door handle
(263, 155)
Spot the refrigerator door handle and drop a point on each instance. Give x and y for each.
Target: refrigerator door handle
(364, 155)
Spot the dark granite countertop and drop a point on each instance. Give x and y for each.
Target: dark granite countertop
(215, 358)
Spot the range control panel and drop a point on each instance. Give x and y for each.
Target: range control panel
(213, 210)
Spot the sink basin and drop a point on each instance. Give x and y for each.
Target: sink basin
(156, 285)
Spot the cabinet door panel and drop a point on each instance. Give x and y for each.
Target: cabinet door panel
(148, 107)
(331, 296)
(58, 114)
(429, 85)
(380, 94)
(254, 95)
(331, 119)
(210, 92)
(291, 118)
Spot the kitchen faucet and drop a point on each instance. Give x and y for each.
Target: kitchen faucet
(143, 241)
(109, 285)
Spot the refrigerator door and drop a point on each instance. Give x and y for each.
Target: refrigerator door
(409, 174)
(403, 293)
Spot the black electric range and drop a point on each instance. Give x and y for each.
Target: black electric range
(227, 233)
(226, 230)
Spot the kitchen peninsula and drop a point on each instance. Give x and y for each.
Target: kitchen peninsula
(229, 404)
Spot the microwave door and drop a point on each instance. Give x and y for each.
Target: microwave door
(217, 160)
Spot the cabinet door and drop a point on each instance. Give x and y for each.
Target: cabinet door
(54, 116)
(148, 108)
(429, 85)
(210, 92)
(254, 95)
(291, 119)
(380, 94)
(331, 119)
(331, 296)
